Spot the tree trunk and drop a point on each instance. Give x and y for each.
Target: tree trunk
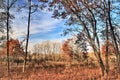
(113, 36)
(102, 66)
(7, 25)
(106, 55)
(28, 31)
(92, 42)
(100, 61)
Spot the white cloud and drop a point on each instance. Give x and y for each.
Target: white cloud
(41, 22)
(44, 23)
(43, 26)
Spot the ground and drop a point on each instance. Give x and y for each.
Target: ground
(55, 71)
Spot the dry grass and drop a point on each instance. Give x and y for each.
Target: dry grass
(56, 71)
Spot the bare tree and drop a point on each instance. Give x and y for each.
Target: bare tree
(9, 5)
(113, 33)
(111, 23)
(49, 48)
(31, 9)
(81, 13)
(28, 33)
(55, 49)
(87, 15)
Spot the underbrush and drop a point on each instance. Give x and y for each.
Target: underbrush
(56, 71)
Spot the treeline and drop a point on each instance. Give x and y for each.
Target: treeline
(47, 47)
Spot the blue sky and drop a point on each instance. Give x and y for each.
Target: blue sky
(42, 28)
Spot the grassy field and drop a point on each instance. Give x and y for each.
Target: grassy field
(51, 70)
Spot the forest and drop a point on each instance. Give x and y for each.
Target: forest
(92, 52)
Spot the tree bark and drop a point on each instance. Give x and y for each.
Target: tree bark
(107, 49)
(8, 60)
(28, 32)
(113, 35)
(100, 61)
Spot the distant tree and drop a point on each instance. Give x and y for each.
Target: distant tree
(49, 48)
(55, 49)
(73, 50)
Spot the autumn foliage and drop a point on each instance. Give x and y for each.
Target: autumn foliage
(111, 49)
(14, 47)
(67, 49)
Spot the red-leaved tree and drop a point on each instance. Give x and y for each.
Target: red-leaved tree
(111, 49)
(15, 47)
(67, 50)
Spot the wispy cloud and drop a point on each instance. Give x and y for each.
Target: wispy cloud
(42, 26)
(42, 22)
